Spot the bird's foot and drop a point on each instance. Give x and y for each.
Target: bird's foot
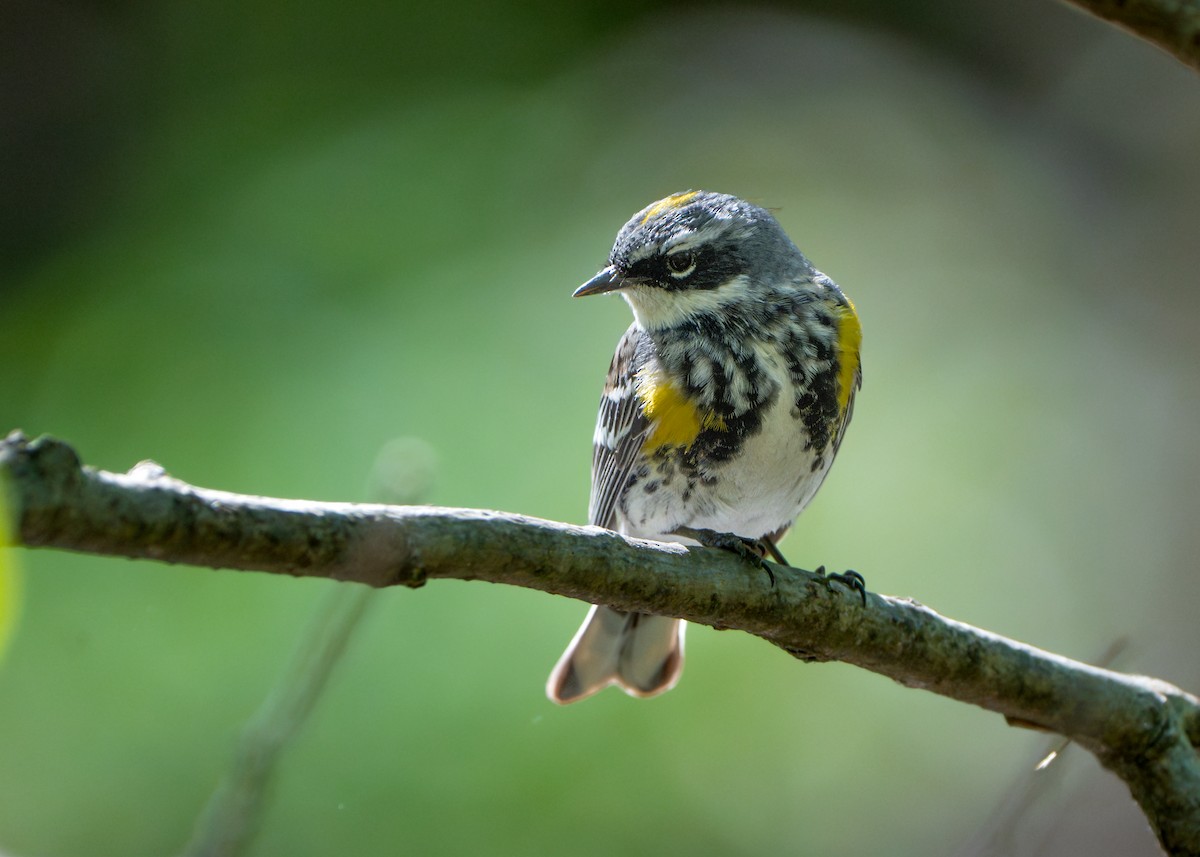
(852, 580)
(754, 550)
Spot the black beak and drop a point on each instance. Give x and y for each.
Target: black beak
(607, 280)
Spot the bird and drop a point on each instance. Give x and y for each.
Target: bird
(725, 403)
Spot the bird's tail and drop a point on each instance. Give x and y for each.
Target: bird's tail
(641, 654)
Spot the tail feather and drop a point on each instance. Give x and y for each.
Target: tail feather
(641, 654)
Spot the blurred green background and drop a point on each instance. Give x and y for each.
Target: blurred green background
(255, 241)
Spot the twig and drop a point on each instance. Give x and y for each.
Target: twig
(231, 818)
(1173, 25)
(226, 827)
(1143, 729)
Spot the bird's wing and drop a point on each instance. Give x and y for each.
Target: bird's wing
(621, 429)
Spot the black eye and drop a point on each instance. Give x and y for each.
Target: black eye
(681, 264)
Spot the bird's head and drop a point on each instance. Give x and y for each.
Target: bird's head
(697, 252)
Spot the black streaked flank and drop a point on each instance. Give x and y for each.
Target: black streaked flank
(820, 412)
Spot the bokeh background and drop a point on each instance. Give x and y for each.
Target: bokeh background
(258, 241)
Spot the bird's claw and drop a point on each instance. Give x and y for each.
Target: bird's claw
(852, 580)
(753, 550)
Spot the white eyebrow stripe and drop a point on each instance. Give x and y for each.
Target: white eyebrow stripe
(643, 252)
(690, 240)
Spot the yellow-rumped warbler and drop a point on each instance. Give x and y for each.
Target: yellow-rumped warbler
(724, 406)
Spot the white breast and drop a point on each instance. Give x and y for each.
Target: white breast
(771, 482)
(763, 488)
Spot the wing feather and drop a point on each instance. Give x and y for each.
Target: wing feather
(621, 429)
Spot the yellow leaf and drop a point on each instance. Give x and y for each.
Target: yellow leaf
(10, 578)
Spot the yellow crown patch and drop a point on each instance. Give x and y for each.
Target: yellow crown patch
(673, 201)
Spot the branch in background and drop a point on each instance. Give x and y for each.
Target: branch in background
(1173, 25)
(235, 810)
(402, 473)
(1145, 730)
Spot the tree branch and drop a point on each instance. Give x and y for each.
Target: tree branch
(1143, 729)
(1173, 25)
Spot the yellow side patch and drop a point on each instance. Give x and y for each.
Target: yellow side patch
(674, 418)
(849, 342)
(672, 201)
